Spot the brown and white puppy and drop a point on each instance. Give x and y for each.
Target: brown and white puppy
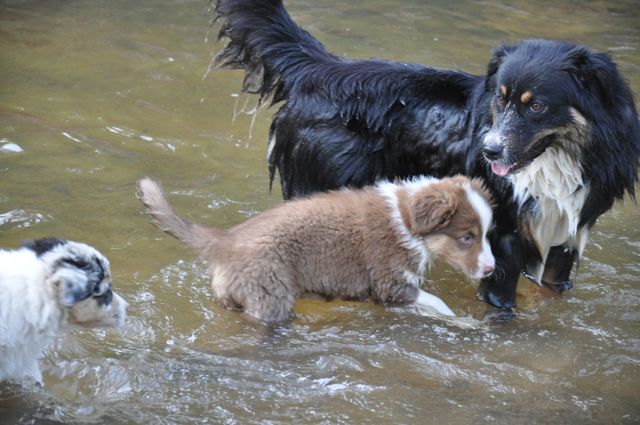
(46, 286)
(352, 244)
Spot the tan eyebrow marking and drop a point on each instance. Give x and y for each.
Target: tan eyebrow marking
(503, 91)
(526, 97)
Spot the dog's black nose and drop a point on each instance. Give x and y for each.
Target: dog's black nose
(493, 151)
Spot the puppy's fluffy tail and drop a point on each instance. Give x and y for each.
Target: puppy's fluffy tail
(166, 219)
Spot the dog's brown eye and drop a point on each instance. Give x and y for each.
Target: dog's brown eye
(536, 106)
(500, 99)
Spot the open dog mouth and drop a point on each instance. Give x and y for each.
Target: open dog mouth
(502, 169)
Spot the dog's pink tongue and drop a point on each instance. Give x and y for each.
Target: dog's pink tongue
(499, 169)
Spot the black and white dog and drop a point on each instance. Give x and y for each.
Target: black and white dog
(552, 127)
(45, 286)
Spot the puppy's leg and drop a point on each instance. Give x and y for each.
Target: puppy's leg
(269, 298)
(269, 310)
(426, 300)
(406, 293)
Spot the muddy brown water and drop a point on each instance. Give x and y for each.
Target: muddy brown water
(98, 94)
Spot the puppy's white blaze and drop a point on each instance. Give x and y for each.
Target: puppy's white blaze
(425, 299)
(388, 191)
(482, 207)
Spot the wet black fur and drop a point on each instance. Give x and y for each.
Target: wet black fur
(42, 246)
(351, 122)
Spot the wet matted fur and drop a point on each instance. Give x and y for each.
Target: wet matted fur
(551, 127)
(46, 286)
(374, 243)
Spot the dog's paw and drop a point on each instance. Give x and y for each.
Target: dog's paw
(498, 316)
(431, 303)
(559, 287)
(499, 299)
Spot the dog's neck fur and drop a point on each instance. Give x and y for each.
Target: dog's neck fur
(415, 246)
(556, 183)
(28, 313)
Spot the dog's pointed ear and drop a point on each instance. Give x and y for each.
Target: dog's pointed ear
(494, 64)
(432, 208)
(597, 71)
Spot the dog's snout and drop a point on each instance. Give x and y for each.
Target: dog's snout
(492, 151)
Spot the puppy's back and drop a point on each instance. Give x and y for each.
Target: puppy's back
(292, 230)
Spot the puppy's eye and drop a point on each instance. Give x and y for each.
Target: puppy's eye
(467, 239)
(536, 106)
(500, 99)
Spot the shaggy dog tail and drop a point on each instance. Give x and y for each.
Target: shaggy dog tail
(166, 219)
(264, 41)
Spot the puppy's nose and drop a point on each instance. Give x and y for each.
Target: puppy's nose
(492, 151)
(487, 270)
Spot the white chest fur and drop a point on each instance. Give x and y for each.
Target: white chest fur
(555, 181)
(416, 246)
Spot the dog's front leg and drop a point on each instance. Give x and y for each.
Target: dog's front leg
(426, 300)
(499, 289)
(405, 293)
(557, 269)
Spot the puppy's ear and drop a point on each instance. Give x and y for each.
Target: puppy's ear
(432, 208)
(79, 278)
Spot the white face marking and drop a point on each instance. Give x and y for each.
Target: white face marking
(480, 205)
(388, 191)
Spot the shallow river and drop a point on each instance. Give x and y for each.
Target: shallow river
(100, 93)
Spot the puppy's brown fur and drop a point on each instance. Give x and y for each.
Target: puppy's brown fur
(353, 244)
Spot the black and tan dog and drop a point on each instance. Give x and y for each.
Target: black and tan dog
(552, 127)
(374, 244)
